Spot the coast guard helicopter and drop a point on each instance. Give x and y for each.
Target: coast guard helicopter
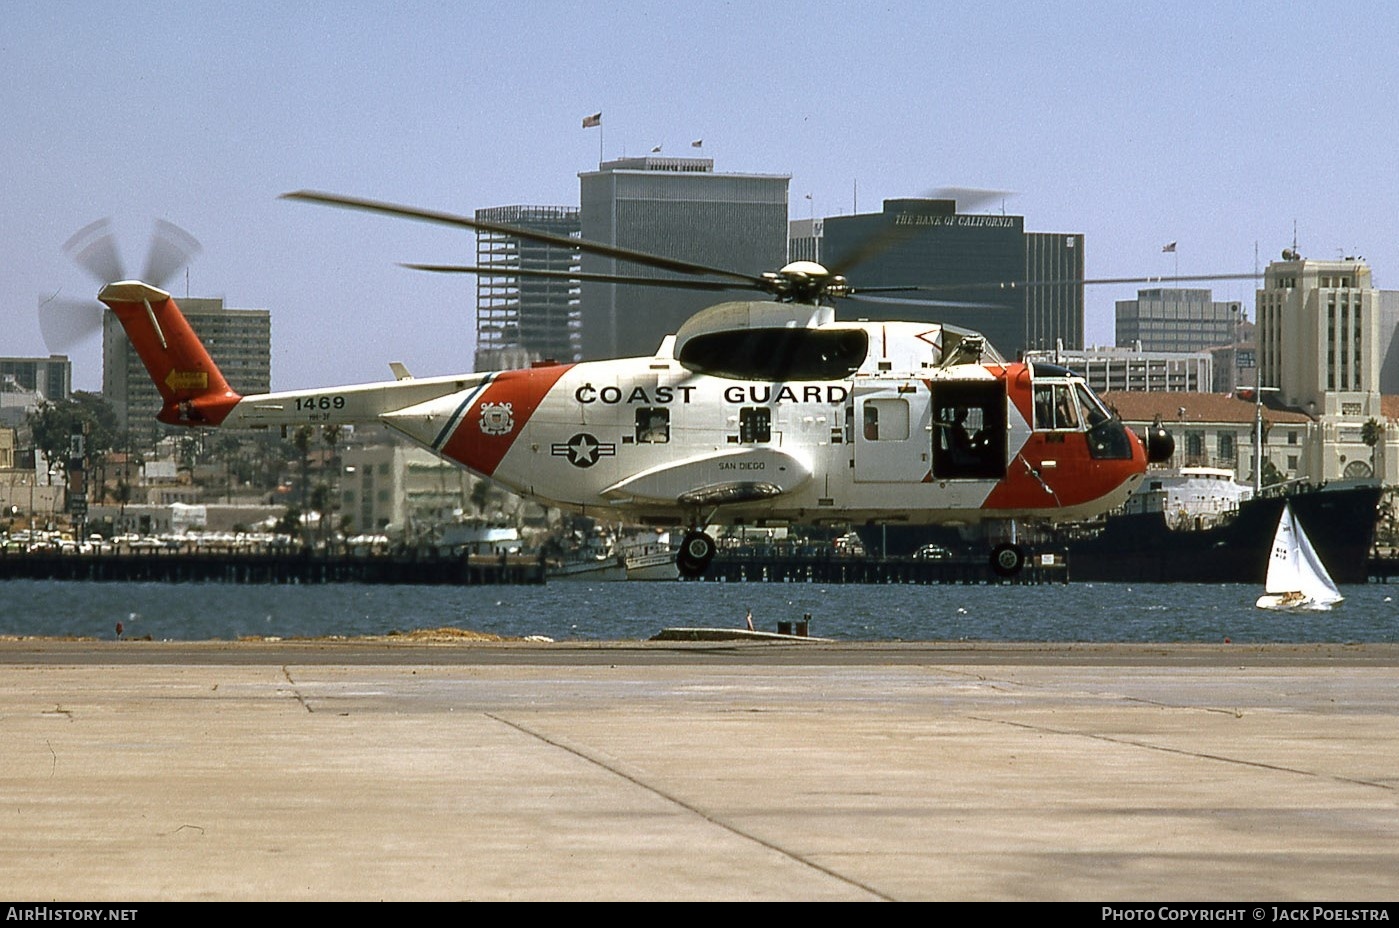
(755, 412)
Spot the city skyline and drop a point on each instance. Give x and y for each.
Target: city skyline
(1214, 128)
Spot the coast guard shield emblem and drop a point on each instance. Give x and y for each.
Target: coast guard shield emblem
(496, 419)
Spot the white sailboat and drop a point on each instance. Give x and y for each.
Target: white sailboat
(1296, 577)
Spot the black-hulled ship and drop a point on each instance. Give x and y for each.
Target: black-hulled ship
(1159, 539)
(1195, 525)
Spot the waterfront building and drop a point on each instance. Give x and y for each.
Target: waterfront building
(51, 378)
(401, 489)
(678, 208)
(1212, 430)
(17, 403)
(520, 320)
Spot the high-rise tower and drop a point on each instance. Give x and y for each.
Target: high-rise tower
(521, 319)
(677, 208)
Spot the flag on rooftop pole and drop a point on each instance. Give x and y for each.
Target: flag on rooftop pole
(593, 120)
(1169, 246)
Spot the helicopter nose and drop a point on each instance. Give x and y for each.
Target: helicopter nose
(1160, 444)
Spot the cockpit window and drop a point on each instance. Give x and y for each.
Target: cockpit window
(1094, 412)
(1073, 407)
(1065, 409)
(1055, 407)
(777, 354)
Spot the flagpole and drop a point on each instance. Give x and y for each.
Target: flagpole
(595, 122)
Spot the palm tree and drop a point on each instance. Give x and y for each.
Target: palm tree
(323, 502)
(301, 440)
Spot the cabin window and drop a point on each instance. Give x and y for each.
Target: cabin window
(886, 420)
(652, 425)
(777, 354)
(754, 424)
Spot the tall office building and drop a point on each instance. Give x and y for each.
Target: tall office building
(239, 341)
(804, 239)
(678, 208)
(1054, 303)
(927, 242)
(1177, 319)
(524, 319)
(1389, 343)
(1318, 335)
(1319, 343)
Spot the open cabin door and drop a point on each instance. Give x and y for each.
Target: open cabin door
(969, 430)
(892, 423)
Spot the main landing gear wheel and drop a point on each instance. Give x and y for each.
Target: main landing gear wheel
(1007, 560)
(696, 551)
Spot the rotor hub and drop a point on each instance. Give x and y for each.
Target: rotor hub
(806, 282)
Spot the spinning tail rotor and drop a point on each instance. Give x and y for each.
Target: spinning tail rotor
(69, 323)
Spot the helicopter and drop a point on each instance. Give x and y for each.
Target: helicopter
(755, 412)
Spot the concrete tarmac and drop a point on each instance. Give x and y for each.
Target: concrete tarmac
(348, 770)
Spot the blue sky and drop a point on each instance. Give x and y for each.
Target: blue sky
(1218, 126)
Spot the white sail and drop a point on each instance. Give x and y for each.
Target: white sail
(1296, 576)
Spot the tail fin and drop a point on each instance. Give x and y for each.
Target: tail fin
(193, 389)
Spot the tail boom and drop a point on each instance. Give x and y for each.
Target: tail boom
(193, 390)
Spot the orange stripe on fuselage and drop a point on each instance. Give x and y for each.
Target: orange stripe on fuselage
(495, 418)
(1076, 478)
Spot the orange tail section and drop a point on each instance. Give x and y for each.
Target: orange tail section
(193, 389)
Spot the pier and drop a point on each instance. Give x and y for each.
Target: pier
(757, 567)
(273, 567)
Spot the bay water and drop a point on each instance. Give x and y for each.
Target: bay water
(601, 611)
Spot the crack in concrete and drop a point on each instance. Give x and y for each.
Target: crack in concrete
(1261, 765)
(295, 690)
(689, 807)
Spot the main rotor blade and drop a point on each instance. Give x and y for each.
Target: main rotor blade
(94, 248)
(860, 297)
(966, 199)
(170, 250)
(886, 238)
(970, 199)
(710, 285)
(544, 238)
(1087, 282)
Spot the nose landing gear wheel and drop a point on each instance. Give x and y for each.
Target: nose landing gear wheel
(1007, 560)
(696, 551)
